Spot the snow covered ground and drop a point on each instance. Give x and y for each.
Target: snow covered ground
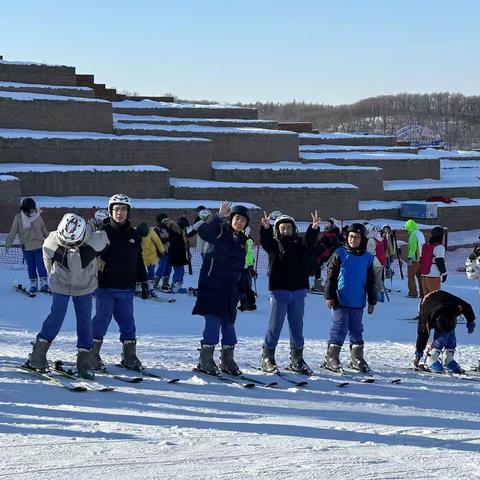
(425, 427)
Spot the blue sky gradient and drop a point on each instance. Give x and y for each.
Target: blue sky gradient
(336, 51)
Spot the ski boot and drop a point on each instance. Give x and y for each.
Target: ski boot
(380, 296)
(38, 358)
(227, 363)
(243, 304)
(332, 358)
(96, 359)
(268, 360)
(151, 291)
(33, 285)
(177, 288)
(165, 285)
(318, 286)
(156, 283)
(205, 362)
(129, 356)
(357, 361)
(433, 363)
(44, 285)
(449, 363)
(84, 364)
(297, 363)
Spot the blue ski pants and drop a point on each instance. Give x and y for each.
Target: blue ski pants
(447, 340)
(178, 274)
(347, 320)
(54, 321)
(211, 332)
(286, 304)
(119, 303)
(34, 261)
(164, 268)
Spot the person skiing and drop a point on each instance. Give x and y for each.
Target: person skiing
(289, 261)
(152, 249)
(439, 311)
(376, 248)
(70, 254)
(323, 250)
(122, 267)
(416, 239)
(30, 228)
(247, 295)
(164, 268)
(350, 278)
(218, 286)
(201, 246)
(178, 248)
(432, 262)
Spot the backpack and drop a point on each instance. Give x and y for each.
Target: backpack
(380, 252)
(426, 260)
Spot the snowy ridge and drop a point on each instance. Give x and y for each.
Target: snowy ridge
(201, 129)
(285, 166)
(28, 97)
(39, 134)
(119, 117)
(154, 104)
(384, 156)
(8, 178)
(388, 205)
(47, 167)
(46, 87)
(329, 135)
(353, 148)
(189, 183)
(144, 203)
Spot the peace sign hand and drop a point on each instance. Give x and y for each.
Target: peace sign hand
(315, 220)
(266, 220)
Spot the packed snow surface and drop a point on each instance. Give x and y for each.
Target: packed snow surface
(428, 426)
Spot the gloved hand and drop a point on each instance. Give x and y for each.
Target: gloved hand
(145, 291)
(444, 277)
(470, 327)
(475, 254)
(418, 357)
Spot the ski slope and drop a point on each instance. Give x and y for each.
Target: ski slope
(425, 427)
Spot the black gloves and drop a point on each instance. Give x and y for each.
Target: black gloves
(475, 254)
(444, 277)
(145, 291)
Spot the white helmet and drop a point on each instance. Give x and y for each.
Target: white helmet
(71, 229)
(284, 219)
(119, 198)
(100, 216)
(274, 215)
(204, 214)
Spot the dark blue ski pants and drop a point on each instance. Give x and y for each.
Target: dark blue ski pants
(347, 320)
(211, 332)
(119, 303)
(34, 261)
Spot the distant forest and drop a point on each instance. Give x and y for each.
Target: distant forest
(453, 116)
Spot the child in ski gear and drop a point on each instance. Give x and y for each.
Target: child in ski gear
(247, 295)
(164, 268)
(376, 248)
(122, 268)
(31, 231)
(389, 244)
(218, 285)
(201, 246)
(289, 259)
(472, 265)
(323, 250)
(152, 249)
(439, 311)
(350, 278)
(70, 255)
(416, 240)
(432, 261)
(177, 251)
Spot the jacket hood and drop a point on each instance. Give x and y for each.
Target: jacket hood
(410, 226)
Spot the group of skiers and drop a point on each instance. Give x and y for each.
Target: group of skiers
(108, 258)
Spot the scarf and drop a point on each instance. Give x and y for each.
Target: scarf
(28, 220)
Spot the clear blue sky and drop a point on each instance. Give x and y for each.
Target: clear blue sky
(335, 51)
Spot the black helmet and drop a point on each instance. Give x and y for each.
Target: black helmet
(436, 235)
(357, 228)
(240, 210)
(200, 208)
(183, 222)
(28, 204)
(143, 229)
(160, 217)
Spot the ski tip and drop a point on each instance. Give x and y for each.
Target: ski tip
(343, 384)
(396, 380)
(248, 385)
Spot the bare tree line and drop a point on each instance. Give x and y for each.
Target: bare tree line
(453, 116)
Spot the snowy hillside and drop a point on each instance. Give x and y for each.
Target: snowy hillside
(427, 426)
